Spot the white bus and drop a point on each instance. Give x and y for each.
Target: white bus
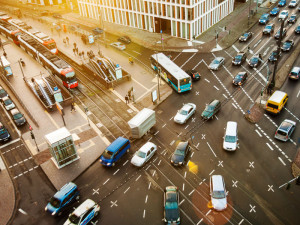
(6, 65)
(171, 73)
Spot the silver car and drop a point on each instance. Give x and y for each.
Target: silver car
(185, 113)
(118, 45)
(8, 103)
(216, 63)
(285, 130)
(218, 193)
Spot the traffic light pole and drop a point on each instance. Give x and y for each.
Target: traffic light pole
(272, 84)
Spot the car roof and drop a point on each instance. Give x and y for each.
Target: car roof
(14, 111)
(214, 102)
(286, 125)
(218, 183)
(241, 73)
(146, 147)
(277, 96)
(5, 98)
(64, 190)
(296, 69)
(113, 147)
(186, 107)
(219, 58)
(182, 145)
(86, 205)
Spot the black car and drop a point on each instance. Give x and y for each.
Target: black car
(239, 58)
(287, 45)
(18, 117)
(125, 39)
(297, 29)
(255, 61)
(273, 57)
(193, 74)
(245, 37)
(171, 205)
(293, 18)
(269, 29)
(3, 93)
(180, 155)
(278, 33)
(240, 78)
(4, 134)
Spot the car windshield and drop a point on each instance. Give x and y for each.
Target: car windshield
(218, 194)
(18, 116)
(284, 13)
(55, 202)
(254, 60)
(2, 91)
(238, 57)
(216, 61)
(209, 108)
(293, 17)
(107, 154)
(269, 27)
(230, 139)
(246, 35)
(74, 219)
(179, 152)
(264, 16)
(183, 112)
(7, 102)
(274, 53)
(286, 43)
(141, 154)
(171, 205)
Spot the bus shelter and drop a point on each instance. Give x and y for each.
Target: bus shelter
(62, 147)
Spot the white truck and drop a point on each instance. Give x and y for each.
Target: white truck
(142, 122)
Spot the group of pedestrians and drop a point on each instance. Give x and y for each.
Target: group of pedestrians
(128, 97)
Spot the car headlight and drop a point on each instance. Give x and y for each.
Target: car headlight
(100, 160)
(178, 219)
(53, 213)
(46, 208)
(240, 83)
(108, 164)
(180, 163)
(172, 161)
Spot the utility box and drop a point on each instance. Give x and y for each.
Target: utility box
(142, 122)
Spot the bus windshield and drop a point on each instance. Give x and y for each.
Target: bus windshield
(185, 81)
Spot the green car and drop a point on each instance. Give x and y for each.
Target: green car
(211, 109)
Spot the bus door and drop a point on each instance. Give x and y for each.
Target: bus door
(6, 65)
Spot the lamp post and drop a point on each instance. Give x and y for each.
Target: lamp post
(158, 81)
(33, 137)
(272, 84)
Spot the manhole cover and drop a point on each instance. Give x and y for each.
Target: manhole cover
(129, 110)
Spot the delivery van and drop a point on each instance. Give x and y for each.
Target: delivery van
(231, 136)
(115, 151)
(276, 102)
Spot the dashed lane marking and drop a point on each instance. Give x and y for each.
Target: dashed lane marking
(106, 181)
(206, 80)
(146, 199)
(269, 146)
(280, 159)
(116, 172)
(258, 132)
(199, 221)
(211, 149)
(241, 221)
(235, 48)
(192, 192)
(138, 178)
(144, 213)
(172, 142)
(188, 60)
(211, 172)
(181, 201)
(126, 190)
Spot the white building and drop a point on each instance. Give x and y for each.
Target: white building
(179, 18)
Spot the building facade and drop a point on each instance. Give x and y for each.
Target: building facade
(180, 18)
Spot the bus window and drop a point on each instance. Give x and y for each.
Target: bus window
(6, 66)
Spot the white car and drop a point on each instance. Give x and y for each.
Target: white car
(118, 45)
(283, 15)
(8, 103)
(218, 193)
(185, 113)
(293, 3)
(216, 63)
(84, 213)
(144, 154)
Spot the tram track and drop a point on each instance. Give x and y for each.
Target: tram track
(112, 121)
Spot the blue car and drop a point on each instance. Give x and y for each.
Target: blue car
(274, 11)
(264, 18)
(282, 3)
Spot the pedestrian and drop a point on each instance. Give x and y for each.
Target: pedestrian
(74, 51)
(67, 38)
(82, 53)
(79, 54)
(4, 54)
(74, 45)
(73, 107)
(129, 95)
(99, 53)
(126, 99)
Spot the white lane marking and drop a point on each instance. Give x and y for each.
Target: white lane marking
(225, 96)
(241, 221)
(234, 105)
(192, 192)
(252, 208)
(125, 162)
(251, 164)
(208, 81)
(256, 43)
(106, 181)
(159, 162)
(270, 146)
(183, 185)
(260, 74)
(176, 57)
(198, 64)
(116, 172)
(9, 143)
(172, 142)
(216, 88)
(186, 127)
(156, 132)
(96, 191)
(138, 178)
(288, 182)
(211, 149)
(137, 52)
(171, 118)
(144, 213)
(188, 60)
(146, 199)
(164, 125)
(208, 212)
(258, 132)
(126, 190)
(193, 152)
(199, 221)
(149, 186)
(235, 48)
(211, 172)
(153, 173)
(181, 201)
(22, 211)
(298, 93)
(281, 161)
(184, 175)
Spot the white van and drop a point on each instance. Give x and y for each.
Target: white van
(6, 66)
(231, 136)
